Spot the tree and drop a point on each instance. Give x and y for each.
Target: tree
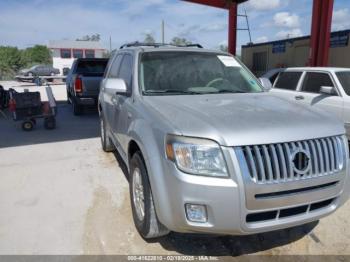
(180, 41)
(149, 39)
(10, 61)
(94, 37)
(223, 48)
(38, 54)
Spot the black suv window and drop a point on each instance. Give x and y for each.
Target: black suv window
(288, 80)
(314, 81)
(125, 71)
(113, 72)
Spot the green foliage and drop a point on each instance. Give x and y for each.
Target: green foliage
(223, 48)
(149, 39)
(12, 59)
(95, 37)
(38, 54)
(180, 41)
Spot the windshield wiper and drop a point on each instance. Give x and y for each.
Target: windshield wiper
(230, 91)
(171, 91)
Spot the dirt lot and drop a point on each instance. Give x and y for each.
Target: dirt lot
(60, 194)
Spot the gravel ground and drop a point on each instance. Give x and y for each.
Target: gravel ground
(60, 194)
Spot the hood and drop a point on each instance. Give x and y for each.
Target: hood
(244, 119)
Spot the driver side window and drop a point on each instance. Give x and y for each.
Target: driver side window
(113, 72)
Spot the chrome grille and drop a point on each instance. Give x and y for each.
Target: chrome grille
(292, 161)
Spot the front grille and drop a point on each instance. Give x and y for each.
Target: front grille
(288, 212)
(292, 161)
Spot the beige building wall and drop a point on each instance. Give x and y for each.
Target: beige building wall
(296, 55)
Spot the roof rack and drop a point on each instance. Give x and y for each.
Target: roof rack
(156, 45)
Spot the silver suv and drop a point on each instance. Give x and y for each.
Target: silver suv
(209, 152)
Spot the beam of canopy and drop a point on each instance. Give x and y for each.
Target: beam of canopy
(225, 4)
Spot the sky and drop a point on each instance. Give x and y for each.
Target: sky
(24, 23)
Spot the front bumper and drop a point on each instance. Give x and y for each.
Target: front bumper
(228, 207)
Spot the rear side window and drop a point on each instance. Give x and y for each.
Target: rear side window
(344, 78)
(288, 80)
(314, 81)
(125, 71)
(92, 67)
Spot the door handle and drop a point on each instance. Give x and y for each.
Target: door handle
(299, 97)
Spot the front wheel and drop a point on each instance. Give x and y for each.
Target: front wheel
(144, 214)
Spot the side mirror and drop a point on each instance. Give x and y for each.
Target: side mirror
(116, 85)
(266, 83)
(328, 90)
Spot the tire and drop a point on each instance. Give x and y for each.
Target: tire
(77, 109)
(106, 143)
(68, 100)
(27, 125)
(146, 222)
(50, 123)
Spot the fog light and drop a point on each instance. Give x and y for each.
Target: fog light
(196, 213)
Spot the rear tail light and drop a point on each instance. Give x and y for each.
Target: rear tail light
(12, 105)
(78, 85)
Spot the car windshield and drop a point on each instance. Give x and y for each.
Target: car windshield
(344, 78)
(179, 73)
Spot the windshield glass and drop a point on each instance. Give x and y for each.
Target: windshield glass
(92, 67)
(344, 78)
(179, 73)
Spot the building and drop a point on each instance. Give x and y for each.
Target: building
(294, 52)
(65, 51)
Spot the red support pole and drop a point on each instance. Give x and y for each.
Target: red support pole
(321, 32)
(325, 32)
(232, 28)
(314, 33)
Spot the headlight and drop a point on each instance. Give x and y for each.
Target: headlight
(196, 156)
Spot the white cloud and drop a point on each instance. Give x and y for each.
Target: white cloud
(214, 27)
(341, 19)
(296, 32)
(262, 39)
(285, 19)
(263, 5)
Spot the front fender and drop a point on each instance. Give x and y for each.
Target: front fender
(150, 140)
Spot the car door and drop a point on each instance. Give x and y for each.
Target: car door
(41, 71)
(122, 103)
(286, 84)
(109, 95)
(310, 93)
(37, 70)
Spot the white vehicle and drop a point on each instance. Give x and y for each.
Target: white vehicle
(320, 87)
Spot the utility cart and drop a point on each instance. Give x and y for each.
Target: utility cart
(28, 107)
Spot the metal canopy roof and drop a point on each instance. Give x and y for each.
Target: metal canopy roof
(225, 4)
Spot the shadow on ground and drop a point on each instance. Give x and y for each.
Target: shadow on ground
(69, 127)
(209, 245)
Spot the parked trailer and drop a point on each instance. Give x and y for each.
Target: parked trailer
(28, 107)
(39, 80)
